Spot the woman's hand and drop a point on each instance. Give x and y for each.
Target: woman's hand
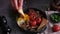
(17, 4)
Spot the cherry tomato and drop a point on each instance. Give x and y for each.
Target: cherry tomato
(31, 12)
(32, 17)
(33, 23)
(56, 28)
(38, 20)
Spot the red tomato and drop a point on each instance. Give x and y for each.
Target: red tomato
(56, 28)
(32, 17)
(33, 23)
(38, 20)
(31, 12)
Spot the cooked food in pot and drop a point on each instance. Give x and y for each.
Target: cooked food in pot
(34, 21)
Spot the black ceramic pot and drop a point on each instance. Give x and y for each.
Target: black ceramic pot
(43, 15)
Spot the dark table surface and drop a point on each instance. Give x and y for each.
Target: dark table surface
(7, 11)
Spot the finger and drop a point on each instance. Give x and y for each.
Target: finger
(16, 4)
(20, 4)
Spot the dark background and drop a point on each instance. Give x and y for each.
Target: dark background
(7, 11)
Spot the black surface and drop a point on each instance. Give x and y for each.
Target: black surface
(7, 11)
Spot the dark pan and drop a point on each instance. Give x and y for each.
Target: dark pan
(43, 15)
